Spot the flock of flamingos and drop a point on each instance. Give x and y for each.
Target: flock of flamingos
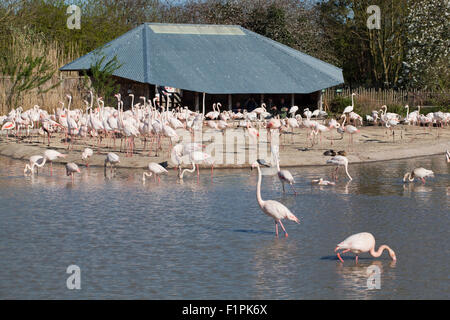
(150, 123)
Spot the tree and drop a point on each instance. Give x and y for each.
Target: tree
(99, 77)
(427, 60)
(371, 57)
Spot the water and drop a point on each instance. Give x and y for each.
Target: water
(211, 241)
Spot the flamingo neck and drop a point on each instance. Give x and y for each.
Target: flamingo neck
(145, 174)
(346, 171)
(258, 189)
(278, 164)
(380, 250)
(188, 170)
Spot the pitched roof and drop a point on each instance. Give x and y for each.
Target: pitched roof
(216, 59)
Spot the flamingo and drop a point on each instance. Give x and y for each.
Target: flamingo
(52, 155)
(71, 168)
(420, 173)
(156, 169)
(37, 161)
(322, 182)
(362, 242)
(340, 161)
(201, 157)
(284, 175)
(86, 155)
(272, 208)
(349, 129)
(349, 109)
(9, 125)
(252, 132)
(447, 155)
(111, 159)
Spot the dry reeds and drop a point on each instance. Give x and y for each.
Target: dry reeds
(24, 43)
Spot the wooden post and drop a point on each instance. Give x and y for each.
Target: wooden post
(320, 106)
(203, 103)
(197, 102)
(230, 102)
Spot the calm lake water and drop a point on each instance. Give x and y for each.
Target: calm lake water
(211, 240)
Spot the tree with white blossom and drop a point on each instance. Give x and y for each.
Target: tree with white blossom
(427, 61)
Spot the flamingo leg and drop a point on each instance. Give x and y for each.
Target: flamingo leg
(285, 233)
(276, 229)
(293, 189)
(282, 183)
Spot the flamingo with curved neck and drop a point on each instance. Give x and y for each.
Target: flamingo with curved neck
(272, 208)
(363, 242)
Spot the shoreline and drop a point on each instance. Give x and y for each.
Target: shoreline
(370, 145)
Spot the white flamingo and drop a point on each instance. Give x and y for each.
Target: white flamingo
(349, 109)
(340, 161)
(284, 175)
(35, 162)
(71, 169)
(112, 159)
(420, 173)
(360, 243)
(52, 155)
(272, 208)
(154, 169)
(86, 155)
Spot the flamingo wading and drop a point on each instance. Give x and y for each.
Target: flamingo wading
(362, 242)
(272, 208)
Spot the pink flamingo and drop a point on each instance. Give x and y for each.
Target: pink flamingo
(362, 242)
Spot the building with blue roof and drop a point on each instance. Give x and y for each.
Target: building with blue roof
(213, 63)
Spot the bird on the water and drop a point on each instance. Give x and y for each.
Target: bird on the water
(360, 243)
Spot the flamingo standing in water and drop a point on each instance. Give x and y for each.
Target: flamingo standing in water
(197, 157)
(362, 242)
(340, 161)
(35, 161)
(284, 175)
(420, 173)
(71, 168)
(111, 159)
(272, 208)
(86, 155)
(156, 169)
(52, 155)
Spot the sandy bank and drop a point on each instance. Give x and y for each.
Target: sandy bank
(235, 151)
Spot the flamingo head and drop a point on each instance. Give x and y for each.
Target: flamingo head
(259, 162)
